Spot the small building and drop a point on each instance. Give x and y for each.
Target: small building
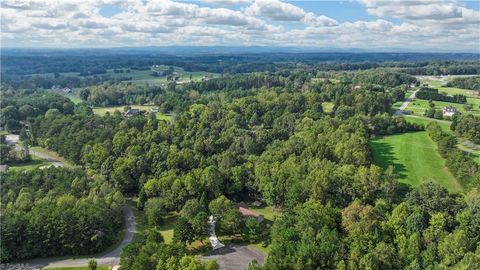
(67, 90)
(131, 112)
(154, 110)
(449, 111)
(242, 207)
(205, 78)
(3, 168)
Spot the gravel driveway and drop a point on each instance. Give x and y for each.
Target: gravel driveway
(235, 257)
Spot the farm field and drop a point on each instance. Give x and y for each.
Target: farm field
(415, 159)
(142, 76)
(419, 106)
(103, 110)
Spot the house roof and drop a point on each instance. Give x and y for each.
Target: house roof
(450, 109)
(242, 207)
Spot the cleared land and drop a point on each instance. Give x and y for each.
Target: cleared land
(142, 76)
(419, 106)
(445, 125)
(415, 159)
(103, 110)
(33, 164)
(51, 154)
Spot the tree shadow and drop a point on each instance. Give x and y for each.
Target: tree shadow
(384, 156)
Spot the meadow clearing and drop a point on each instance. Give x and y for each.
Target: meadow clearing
(415, 159)
(103, 110)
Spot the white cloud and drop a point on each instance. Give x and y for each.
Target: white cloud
(78, 23)
(445, 11)
(312, 19)
(275, 10)
(228, 2)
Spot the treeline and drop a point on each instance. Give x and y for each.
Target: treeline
(472, 83)
(467, 126)
(436, 68)
(433, 94)
(57, 80)
(384, 78)
(97, 61)
(56, 211)
(67, 134)
(239, 82)
(19, 105)
(462, 166)
(112, 94)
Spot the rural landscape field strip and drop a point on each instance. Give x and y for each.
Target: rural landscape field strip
(415, 159)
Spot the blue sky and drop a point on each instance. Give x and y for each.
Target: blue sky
(430, 25)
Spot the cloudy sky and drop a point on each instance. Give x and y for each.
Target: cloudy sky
(415, 25)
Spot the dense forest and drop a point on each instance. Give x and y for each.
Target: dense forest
(54, 211)
(293, 133)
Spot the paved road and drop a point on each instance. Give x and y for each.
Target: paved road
(112, 258)
(55, 162)
(235, 257)
(13, 139)
(406, 103)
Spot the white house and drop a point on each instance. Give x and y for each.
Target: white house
(449, 111)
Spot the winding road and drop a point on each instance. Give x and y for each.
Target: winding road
(111, 258)
(13, 139)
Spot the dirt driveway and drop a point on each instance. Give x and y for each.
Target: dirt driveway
(235, 257)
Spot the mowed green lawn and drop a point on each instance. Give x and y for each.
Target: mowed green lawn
(103, 110)
(415, 159)
(424, 121)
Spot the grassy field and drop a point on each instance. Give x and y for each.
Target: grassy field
(33, 164)
(268, 212)
(53, 154)
(74, 98)
(445, 125)
(419, 106)
(143, 76)
(166, 229)
(474, 152)
(100, 267)
(415, 159)
(103, 110)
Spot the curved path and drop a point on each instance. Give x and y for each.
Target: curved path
(13, 139)
(111, 258)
